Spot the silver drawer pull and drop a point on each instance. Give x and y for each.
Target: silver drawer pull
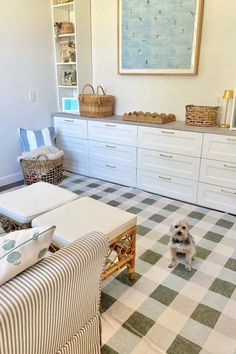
(229, 166)
(110, 166)
(164, 155)
(165, 178)
(110, 146)
(231, 139)
(110, 125)
(69, 120)
(167, 132)
(228, 192)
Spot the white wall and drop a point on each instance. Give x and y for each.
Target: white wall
(217, 70)
(26, 62)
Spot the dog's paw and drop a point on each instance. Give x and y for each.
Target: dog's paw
(188, 268)
(172, 265)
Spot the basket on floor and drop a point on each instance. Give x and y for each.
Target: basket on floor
(46, 170)
(204, 116)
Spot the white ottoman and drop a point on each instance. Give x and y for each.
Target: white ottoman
(20, 206)
(85, 215)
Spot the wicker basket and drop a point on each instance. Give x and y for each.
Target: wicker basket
(95, 105)
(50, 171)
(204, 116)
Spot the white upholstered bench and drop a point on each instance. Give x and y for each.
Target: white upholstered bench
(19, 207)
(84, 215)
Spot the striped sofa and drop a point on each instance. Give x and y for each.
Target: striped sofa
(53, 307)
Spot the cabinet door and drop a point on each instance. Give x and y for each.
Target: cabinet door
(122, 134)
(218, 173)
(173, 141)
(80, 166)
(107, 152)
(71, 128)
(172, 187)
(113, 172)
(73, 150)
(168, 163)
(216, 197)
(219, 147)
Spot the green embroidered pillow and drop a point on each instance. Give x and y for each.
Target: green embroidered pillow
(21, 249)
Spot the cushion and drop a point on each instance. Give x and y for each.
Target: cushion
(24, 204)
(20, 250)
(85, 215)
(32, 139)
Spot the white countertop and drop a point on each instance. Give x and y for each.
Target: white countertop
(177, 125)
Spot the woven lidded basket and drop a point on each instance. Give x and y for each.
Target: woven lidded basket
(205, 116)
(95, 105)
(50, 171)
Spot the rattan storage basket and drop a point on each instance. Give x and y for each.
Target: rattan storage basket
(50, 171)
(205, 116)
(95, 105)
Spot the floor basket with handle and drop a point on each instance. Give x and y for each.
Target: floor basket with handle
(46, 170)
(95, 105)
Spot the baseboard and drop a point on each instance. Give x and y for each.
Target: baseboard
(4, 181)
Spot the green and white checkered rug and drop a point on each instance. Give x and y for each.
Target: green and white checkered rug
(168, 310)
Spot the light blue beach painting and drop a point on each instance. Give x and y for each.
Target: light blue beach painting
(157, 34)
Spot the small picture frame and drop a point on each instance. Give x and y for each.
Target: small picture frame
(70, 104)
(68, 78)
(233, 115)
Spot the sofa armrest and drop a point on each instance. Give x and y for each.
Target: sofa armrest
(42, 308)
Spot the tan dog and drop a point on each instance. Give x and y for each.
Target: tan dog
(182, 242)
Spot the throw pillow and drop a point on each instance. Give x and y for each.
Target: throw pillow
(21, 249)
(33, 139)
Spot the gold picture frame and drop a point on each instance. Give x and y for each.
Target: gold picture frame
(154, 41)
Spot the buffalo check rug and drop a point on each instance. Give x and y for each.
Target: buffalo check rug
(168, 310)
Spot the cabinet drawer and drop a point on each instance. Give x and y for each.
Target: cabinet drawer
(168, 163)
(80, 166)
(216, 197)
(122, 154)
(219, 147)
(76, 149)
(113, 172)
(218, 173)
(123, 134)
(173, 141)
(173, 187)
(71, 128)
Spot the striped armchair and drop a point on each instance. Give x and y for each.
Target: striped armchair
(53, 307)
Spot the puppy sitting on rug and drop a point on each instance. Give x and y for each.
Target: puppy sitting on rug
(182, 242)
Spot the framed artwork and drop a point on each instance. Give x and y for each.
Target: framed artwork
(233, 115)
(70, 104)
(159, 37)
(68, 78)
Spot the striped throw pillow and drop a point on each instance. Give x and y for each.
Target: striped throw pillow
(33, 139)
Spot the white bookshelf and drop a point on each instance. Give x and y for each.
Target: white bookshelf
(80, 67)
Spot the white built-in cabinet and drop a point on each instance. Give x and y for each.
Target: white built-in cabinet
(195, 167)
(79, 60)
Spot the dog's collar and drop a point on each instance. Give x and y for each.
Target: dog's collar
(174, 240)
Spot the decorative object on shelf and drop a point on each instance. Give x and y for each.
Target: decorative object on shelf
(68, 78)
(204, 116)
(63, 28)
(160, 37)
(67, 51)
(149, 117)
(95, 105)
(59, 2)
(70, 104)
(233, 115)
(228, 95)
